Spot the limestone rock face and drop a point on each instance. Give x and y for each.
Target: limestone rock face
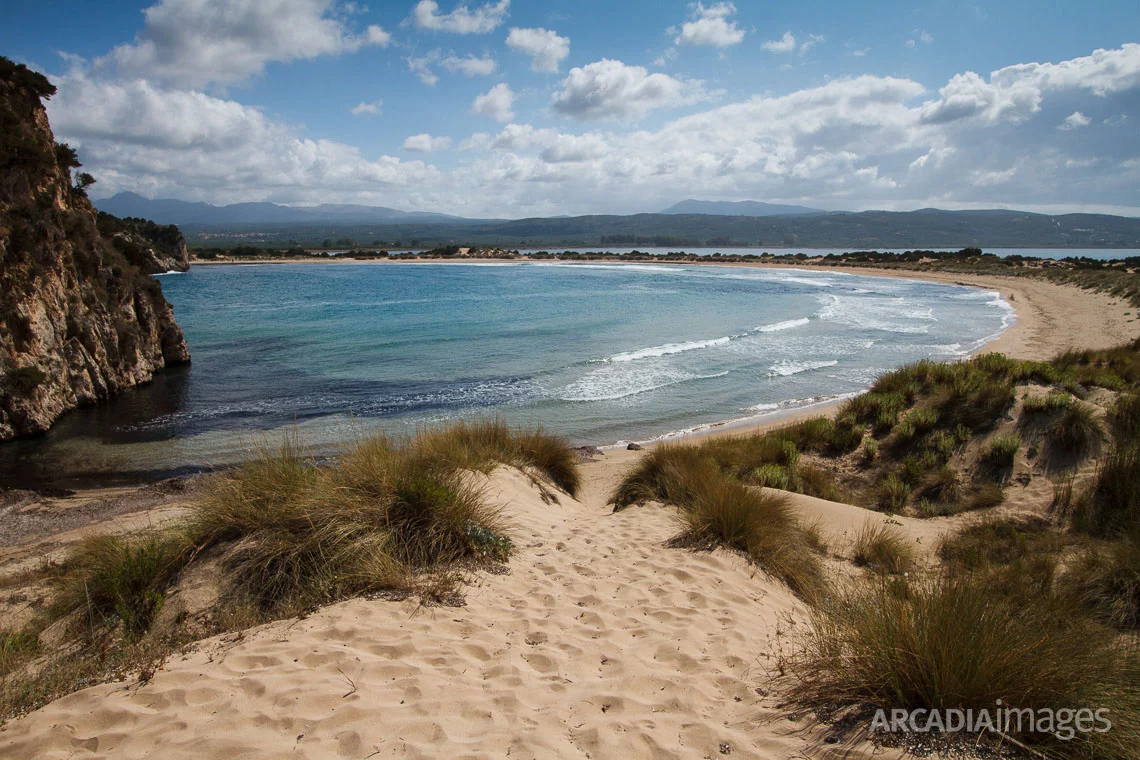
(80, 319)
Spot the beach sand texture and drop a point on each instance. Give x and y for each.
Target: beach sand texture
(601, 641)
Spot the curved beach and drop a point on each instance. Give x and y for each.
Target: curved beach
(600, 642)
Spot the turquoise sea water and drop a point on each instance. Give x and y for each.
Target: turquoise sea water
(599, 353)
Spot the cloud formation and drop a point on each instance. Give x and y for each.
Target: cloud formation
(425, 143)
(496, 103)
(608, 89)
(710, 26)
(470, 65)
(196, 43)
(786, 44)
(546, 49)
(375, 108)
(462, 20)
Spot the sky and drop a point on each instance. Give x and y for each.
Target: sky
(512, 108)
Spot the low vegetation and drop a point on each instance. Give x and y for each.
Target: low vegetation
(717, 508)
(883, 548)
(283, 533)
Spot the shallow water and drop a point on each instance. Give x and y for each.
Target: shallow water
(600, 353)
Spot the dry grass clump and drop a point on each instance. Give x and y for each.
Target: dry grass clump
(883, 548)
(717, 509)
(485, 444)
(954, 641)
(892, 493)
(120, 580)
(1001, 450)
(1075, 433)
(1106, 579)
(759, 523)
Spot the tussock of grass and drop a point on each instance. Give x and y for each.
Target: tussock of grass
(892, 494)
(759, 523)
(991, 542)
(663, 475)
(1111, 506)
(1125, 419)
(984, 496)
(952, 641)
(716, 508)
(942, 485)
(120, 579)
(1001, 450)
(1106, 579)
(1075, 433)
(883, 548)
(17, 648)
(1040, 405)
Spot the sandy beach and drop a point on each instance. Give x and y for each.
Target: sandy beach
(600, 642)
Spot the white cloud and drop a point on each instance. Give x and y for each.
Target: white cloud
(609, 89)
(175, 143)
(470, 65)
(496, 103)
(483, 19)
(859, 142)
(375, 108)
(710, 26)
(546, 49)
(421, 67)
(1075, 120)
(810, 42)
(1015, 93)
(786, 44)
(920, 35)
(425, 143)
(194, 43)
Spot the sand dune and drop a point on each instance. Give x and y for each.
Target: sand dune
(600, 642)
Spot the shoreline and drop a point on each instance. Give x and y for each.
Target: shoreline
(1047, 319)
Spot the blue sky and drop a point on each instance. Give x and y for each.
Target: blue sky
(515, 109)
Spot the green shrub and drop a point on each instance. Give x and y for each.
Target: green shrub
(1001, 450)
(1075, 433)
(892, 494)
(770, 476)
(1053, 402)
(870, 452)
(121, 579)
(1112, 504)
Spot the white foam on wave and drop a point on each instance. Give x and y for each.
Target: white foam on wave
(787, 369)
(609, 384)
(696, 345)
(890, 313)
(163, 274)
(667, 349)
(785, 325)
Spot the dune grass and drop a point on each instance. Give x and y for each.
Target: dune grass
(953, 641)
(1075, 433)
(1106, 579)
(120, 580)
(883, 548)
(718, 509)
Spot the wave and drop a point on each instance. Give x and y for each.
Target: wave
(889, 314)
(169, 271)
(696, 345)
(787, 369)
(608, 386)
(785, 325)
(667, 349)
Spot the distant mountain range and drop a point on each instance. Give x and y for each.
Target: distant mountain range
(184, 213)
(721, 224)
(738, 208)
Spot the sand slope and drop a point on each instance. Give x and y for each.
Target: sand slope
(601, 642)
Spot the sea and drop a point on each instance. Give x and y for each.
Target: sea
(600, 353)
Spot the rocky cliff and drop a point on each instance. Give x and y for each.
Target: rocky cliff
(80, 319)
